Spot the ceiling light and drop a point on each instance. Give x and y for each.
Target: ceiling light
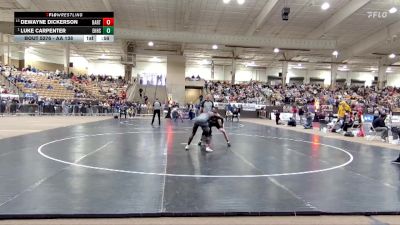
(299, 65)
(42, 43)
(155, 59)
(241, 2)
(215, 47)
(102, 56)
(204, 62)
(335, 53)
(325, 6)
(345, 67)
(151, 44)
(393, 10)
(392, 56)
(226, 1)
(388, 69)
(276, 50)
(250, 64)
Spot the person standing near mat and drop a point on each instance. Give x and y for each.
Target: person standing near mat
(156, 110)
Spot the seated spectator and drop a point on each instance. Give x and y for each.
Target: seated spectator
(176, 114)
(229, 115)
(291, 122)
(131, 112)
(236, 113)
(308, 124)
(348, 122)
(379, 126)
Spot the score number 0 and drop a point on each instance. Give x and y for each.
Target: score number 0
(108, 22)
(108, 25)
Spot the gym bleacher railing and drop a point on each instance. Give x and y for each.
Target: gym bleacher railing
(56, 109)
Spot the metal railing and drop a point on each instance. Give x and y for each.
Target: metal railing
(55, 109)
(10, 85)
(19, 109)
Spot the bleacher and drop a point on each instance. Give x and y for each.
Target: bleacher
(245, 92)
(151, 91)
(100, 90)
(57, 92)
(7, 87)
(92, 89)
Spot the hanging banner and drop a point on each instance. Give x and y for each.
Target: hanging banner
(249, 106)
(396, 119)
(9, 96)
(368, 118)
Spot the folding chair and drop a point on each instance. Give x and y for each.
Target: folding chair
(371, 133)
(229, 115)
(236, 114)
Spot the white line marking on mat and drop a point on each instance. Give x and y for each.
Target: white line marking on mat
(350, 159)
(91, 153)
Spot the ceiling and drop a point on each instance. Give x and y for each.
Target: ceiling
(362, 42)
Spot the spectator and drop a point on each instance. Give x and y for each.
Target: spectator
(277, 117)
(309, 119)
(343, 108)
(294, 112)
(292, 122)
(301, 114)
(379, 126)
(140, 92)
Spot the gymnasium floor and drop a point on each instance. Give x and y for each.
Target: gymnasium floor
(111, 169)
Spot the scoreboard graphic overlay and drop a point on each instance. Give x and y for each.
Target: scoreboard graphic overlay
(64, 26)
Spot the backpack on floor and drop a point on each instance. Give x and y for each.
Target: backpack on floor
(349, 134)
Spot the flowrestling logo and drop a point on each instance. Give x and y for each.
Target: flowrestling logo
(377, 14)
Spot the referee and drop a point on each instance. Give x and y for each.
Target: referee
(156, 110)
(207, 105)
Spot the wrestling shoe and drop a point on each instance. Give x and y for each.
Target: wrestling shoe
(199, 144)
(229, 144)
(397, 161)
(187, 147)
(208, 149)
